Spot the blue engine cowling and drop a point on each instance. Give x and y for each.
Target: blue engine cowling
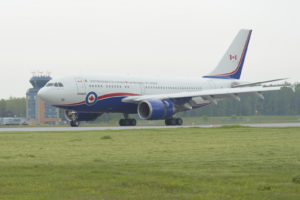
(155, 109)
(79, 116)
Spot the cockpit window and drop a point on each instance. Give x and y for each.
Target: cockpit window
(57, 84)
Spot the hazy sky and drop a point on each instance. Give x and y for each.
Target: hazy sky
(157, 37)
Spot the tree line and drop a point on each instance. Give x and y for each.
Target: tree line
(13, 107)
(283, 102)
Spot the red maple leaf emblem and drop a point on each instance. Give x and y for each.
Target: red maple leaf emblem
(233, 57)
(91, 98)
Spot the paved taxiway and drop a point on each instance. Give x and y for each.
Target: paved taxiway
(49, 129)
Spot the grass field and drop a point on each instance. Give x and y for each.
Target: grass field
(188, 163)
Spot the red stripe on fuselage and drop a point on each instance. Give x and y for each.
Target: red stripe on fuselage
(116, 95)
(104, 97)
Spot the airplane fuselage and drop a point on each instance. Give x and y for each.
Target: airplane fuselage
(108, 91)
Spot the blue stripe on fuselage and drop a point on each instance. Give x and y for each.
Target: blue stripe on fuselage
(113, 104)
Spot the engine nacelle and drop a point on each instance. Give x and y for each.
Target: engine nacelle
(79, 116)
(155, 109)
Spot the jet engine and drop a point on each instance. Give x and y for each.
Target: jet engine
(155, 109)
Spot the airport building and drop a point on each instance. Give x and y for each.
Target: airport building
(37, 111)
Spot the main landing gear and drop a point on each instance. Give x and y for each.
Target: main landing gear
(127, 121)
(174, 121)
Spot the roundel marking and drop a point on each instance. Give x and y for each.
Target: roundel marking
(91, 98)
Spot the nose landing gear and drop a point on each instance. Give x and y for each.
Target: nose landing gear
(74, 123)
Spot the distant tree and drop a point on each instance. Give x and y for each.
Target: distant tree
(283, 102)
(4, 112)
(17, 106)
(13, 107)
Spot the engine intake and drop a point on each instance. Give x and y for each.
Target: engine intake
(155, 109)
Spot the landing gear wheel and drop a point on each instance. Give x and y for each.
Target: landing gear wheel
(132, 122)
(170, 122)
(74, 123)
(173, 121)
(179, 121)
(122, 122)
(127, 122)
(167, 122)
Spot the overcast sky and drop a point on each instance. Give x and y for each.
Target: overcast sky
(157, 37)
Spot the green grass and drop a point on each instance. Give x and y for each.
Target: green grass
(190, 163)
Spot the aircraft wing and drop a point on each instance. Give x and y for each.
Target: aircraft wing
(257, 83)
(209, 95)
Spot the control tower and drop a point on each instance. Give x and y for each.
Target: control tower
(37, 111)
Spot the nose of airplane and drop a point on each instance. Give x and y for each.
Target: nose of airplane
(44, 95)
(41, 93)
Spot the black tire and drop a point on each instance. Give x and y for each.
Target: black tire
(179, 121)
(122, 122)
(74, 123)
(132, 122)
(127, 122)
(172, 121)
(167, 122)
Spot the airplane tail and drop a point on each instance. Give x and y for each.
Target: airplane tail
(231, 65)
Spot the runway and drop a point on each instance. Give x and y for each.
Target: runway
(56, 129)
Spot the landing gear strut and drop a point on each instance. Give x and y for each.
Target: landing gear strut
(174, 121)
(74, 123)
(127, 121)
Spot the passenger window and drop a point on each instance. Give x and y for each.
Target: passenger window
(55, 84)
(60, 85)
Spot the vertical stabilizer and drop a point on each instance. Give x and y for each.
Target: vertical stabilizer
(231, 65)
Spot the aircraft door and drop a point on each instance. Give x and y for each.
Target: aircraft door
(80, 84)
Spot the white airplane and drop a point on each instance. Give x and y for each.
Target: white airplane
(85, 98)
